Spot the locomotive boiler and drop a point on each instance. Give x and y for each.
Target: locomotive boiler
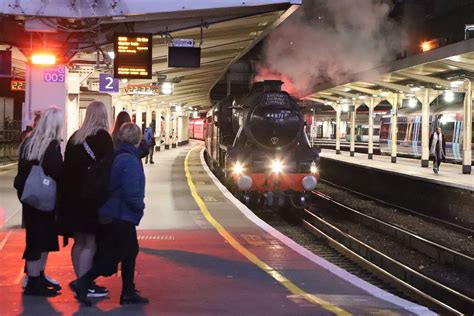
(258, 144)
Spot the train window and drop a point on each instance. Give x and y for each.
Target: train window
(385, 131)
(447, 131)
(401, 130)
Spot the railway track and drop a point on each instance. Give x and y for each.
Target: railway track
(416, 285)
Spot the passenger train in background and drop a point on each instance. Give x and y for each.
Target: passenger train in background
(258, 145)
(448, 116)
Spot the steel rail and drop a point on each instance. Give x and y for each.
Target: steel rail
(420, 287)
(446, 224)
(431, 249)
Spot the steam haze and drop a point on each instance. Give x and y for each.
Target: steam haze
(327, 40)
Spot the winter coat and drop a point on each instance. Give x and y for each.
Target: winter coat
(77, 214)
(126, 187)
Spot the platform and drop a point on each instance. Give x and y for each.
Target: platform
(449, 174)
(447, 195)
(203, 252)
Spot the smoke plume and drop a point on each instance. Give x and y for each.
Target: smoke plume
(325, 41)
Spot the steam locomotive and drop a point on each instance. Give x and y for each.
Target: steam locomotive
(258, 145)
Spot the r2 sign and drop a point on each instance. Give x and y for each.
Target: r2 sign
(55, 74)
(107, 83)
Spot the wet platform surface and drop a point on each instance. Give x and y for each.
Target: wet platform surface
(449, 174)
(203, 253)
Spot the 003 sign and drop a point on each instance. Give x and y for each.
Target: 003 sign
(54, 75)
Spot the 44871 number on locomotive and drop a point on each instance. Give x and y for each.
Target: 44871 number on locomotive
(258, 145)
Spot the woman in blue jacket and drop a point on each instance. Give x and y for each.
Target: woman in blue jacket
(123, 210)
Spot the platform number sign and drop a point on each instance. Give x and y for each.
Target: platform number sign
(55, 74)
(107, 83)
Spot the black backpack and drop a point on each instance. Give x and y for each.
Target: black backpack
(95, 180)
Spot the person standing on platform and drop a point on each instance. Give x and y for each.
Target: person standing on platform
(119, 215)
(437, 149)
(122, 118)
(41, 147)
(86, 151)
(149, 137)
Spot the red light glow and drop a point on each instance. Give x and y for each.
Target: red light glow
(43, 59)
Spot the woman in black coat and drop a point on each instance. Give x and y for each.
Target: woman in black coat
(41, 147)
(79, 215)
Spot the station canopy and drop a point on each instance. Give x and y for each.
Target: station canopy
(441, 69)
(83, 31)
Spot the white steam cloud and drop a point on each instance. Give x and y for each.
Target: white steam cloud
(327, 40)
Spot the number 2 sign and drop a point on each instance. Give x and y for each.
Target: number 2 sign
(107, 83)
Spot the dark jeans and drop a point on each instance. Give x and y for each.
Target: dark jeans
(152, 150)
(116, 242)
(437, 161)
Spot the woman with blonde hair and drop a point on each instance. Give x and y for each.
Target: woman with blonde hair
(85, 150)
(41, 147)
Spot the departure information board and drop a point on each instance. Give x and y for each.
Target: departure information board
(17, 85)
(133, 53)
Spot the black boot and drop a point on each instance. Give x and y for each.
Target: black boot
(132, 297)
(80, 287)
(36, 287)
(50, 284)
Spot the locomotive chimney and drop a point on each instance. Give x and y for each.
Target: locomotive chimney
(267, 86)
(272, 85)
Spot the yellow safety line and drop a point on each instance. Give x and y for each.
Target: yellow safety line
(293, 288)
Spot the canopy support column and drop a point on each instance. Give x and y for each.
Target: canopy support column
(338, 129)
(371, 128)
(425, 128)
(353, 122)
(394, 129)
(467, 132)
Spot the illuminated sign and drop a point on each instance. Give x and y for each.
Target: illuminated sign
(133, 54)
(55, 74)
(142, 89)
(17, 85)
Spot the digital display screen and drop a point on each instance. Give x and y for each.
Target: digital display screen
(5, 63)
(142, 89)
(133, 54)
(186, 57)
(17, 85)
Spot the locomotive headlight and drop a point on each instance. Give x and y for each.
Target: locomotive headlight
(313, 168)
(238, 168)
(277, 166)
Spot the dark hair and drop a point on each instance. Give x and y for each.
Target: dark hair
(122, 118)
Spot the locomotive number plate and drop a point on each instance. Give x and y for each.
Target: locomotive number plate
(275, 99)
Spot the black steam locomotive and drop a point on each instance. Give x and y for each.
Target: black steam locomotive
(259, 146)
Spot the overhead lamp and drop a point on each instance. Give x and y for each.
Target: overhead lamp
(111, 54)
(43, 59)
(124, 80)
(167, 88)
(456, 83)
(415, 89)
(362, 97)
(425, 46)
(347, 89)
(448, 96)
(345, 107)
(412, 102)
(384, 93)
